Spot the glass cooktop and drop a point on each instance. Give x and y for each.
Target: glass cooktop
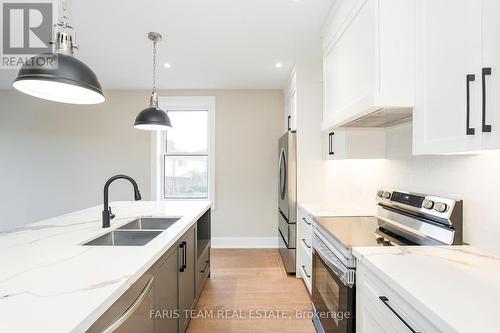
(353, 231)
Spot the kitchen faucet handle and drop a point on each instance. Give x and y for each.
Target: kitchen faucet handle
(111, 215)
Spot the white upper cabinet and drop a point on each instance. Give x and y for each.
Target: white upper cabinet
(491, 59)
(368, 59)
(448, 58)
(291, 103)
(458, 76)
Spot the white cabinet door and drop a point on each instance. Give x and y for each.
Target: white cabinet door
(491, 59)
(354, 144)
(448, 36)
(349, 66)
(290, 93)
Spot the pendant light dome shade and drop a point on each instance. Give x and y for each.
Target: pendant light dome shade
(69, 81)
(152, 119)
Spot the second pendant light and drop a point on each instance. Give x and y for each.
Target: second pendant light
(153, 118)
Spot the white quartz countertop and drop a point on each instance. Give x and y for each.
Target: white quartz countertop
(328, 210)
(455, 287)
(49, 282)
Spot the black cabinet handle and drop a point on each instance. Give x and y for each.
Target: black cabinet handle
(304, 219)
(305, 272)
(184, 254)
(206, 266)
(289, 118)
(385, 300)
(469, 131)
(305, 243)
(330, 143)
(181, 246)
(486, 71)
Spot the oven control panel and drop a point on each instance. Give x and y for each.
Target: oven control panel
(425, 204)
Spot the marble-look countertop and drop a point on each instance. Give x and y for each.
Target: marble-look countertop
(50, 283)
(455, 287)
(328, 210)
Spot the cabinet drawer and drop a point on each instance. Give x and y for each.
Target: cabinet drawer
(305, 225)
(306, 220)
(305, 266)
(203, 270)
(395, 314)
(131, 311)
(305, 242)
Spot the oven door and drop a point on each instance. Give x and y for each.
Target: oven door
(333, 300)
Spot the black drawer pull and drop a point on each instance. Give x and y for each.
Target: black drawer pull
(385, 300)
(289, 118)
(304, 241)
(469, 130)
(206, 266)
(486, 71)
(305, 272)
(304, 219)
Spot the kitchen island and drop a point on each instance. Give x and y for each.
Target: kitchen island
(50, 282)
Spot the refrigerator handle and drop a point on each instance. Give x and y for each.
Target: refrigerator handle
(282, 166)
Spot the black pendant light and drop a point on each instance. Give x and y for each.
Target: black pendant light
(58, 76)
(153, 118)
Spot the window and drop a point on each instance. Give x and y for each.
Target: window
(186, 150)
(186, 155)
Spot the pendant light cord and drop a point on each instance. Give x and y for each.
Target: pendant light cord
(155, 37)
(154, 66)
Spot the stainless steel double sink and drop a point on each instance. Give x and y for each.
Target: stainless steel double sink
(136, 233)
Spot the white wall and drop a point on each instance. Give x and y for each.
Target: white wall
(474, 178)
(55, 158)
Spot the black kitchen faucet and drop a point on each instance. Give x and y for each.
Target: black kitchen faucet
(107, 215)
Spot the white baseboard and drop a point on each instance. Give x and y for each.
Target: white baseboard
(245, 242)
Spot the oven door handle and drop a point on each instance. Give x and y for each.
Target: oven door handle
(392, 222)
(337, 270)
(343, 273)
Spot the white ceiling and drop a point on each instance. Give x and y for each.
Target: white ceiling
(210, 44)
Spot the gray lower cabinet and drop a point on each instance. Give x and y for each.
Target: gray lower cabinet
(187, 277)
(166, 297)
(160, 300)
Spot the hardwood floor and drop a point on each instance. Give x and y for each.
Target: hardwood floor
(246, 284)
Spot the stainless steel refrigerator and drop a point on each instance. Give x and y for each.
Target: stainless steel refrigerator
(287, 202)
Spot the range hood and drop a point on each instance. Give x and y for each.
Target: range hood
(384, 117)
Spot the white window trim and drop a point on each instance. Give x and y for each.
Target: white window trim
(158, 143)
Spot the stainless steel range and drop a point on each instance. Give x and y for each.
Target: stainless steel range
(403, 218)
